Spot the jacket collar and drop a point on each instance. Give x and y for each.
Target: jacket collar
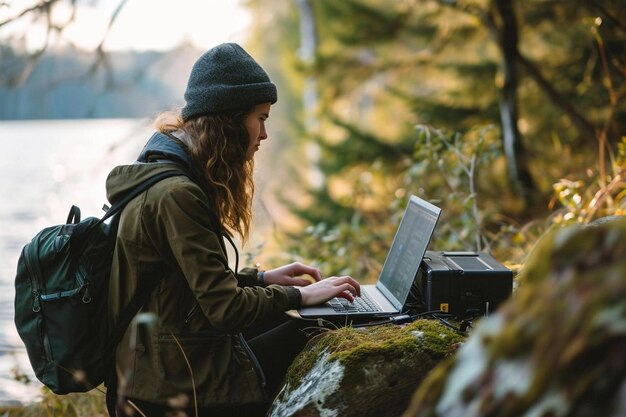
(163, 146)
(167, 147)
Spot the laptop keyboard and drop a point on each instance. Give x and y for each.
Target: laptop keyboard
(362, 304)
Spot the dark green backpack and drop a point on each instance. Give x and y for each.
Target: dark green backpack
(61, 299)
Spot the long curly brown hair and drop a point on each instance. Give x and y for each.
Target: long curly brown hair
(217, 144)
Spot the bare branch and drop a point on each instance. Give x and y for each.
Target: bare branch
(40, 8)
(44, 8)
(101, 56)
(116, 12)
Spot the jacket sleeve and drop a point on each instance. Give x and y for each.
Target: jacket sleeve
(247, 277)
(176, 220)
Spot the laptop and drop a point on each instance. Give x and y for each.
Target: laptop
(390, 293)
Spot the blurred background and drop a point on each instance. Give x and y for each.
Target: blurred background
(510, 115)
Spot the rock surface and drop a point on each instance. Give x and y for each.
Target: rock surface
(371, 371)
(557, 348)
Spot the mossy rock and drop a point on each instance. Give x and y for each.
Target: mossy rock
(556, 348)
(369, 371)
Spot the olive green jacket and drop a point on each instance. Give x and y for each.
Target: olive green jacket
(199, 303)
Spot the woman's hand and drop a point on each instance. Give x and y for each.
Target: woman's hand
(289, 275)
(322, 291)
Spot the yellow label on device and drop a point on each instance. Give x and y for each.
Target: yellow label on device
(443, 306)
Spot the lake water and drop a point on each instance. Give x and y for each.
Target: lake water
(46, 167)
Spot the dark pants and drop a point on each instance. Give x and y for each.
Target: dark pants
(275, 345)
(131, 406)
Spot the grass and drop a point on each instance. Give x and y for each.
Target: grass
(91, 404)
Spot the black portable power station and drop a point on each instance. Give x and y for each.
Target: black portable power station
(462, 283)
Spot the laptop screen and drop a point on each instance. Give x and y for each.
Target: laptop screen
(407, 250)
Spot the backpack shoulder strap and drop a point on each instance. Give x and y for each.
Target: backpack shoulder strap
(119, 205)
(81, 233)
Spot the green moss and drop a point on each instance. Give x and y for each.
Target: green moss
(351, 346)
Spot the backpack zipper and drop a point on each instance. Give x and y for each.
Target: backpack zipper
(33, 269)
(83, 285)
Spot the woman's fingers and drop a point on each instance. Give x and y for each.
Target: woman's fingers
(302, 269)
(303, 281)
(296, 273)
(347, 295)
(347, 283)
(328, 288)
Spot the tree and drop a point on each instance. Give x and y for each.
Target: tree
(503, 22)
(548, 75)
(18, 68)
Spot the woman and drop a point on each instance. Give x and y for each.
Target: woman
(170, 237)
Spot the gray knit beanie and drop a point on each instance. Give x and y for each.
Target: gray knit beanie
(226, 78)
